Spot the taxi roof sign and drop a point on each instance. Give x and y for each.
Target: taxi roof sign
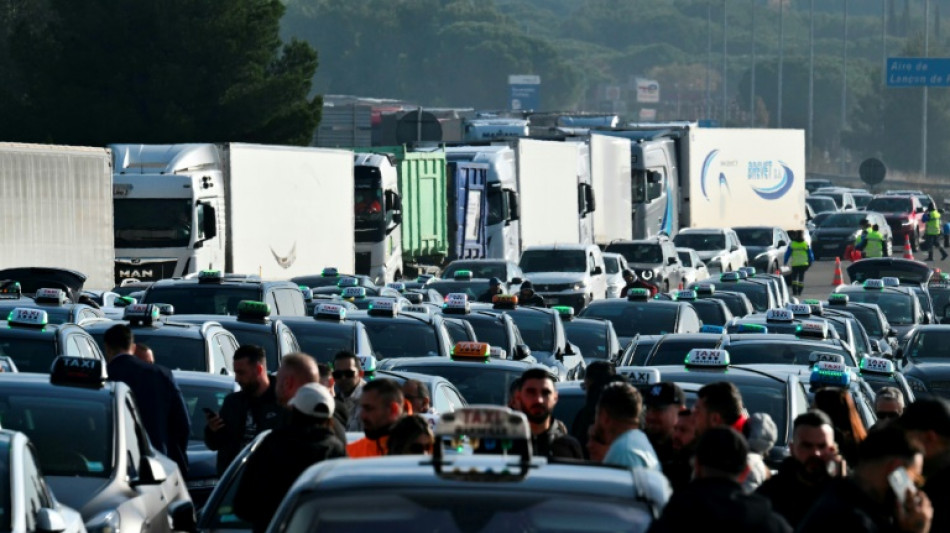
(830, 374)
(643, 376)
(729, 276)
(462, 275)
(307, 293)
(330, 311)
(638, 294)
(779, 315)
(707, 358)
(210, 276)
(78, 371)
(25, 316)
(354, 292)
(367, 363)
(253, 310)
(480, 351)
(874, 284)
(709, 328)
(498, 352)
(330, 272)
(812, 329)
(891, 281)
(504, 301)
(799, 309)
(483, 422)
(397, 285)
(825, 357)
(838, 299)
(742, 274)
(877, 365)
(686, 295)
(165, 309)
(750, 271)
(456, 303)
(53, 296)
(751, 328)
(11, 290)
(348, 282)
(705, 289)
(383, 307)
(142, 314)
(566, 311)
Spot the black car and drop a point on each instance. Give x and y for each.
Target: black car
(635, 353)
(323, 336)
(925, 360)
(646, 317)
(507, 271)
(331, 277)
(33, 343)
(840, 230)
(675, 347)
(595, 337)
(712, 312)
(739, 304)
(543, 332)
(899, 304)
(214, 293)
(760, 292)
(766, 246)
(871, 318)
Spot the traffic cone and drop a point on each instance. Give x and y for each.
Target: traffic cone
(837, 279)
(908, 253)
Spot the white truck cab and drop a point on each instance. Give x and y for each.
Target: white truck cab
(378, 239)
(566, 274)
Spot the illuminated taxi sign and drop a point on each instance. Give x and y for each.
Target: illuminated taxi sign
(874, 284)
(24, 316)
(824, 357)
(124, 301)
(642, 376)
(142, 314)
(50, 296)
(483, 422)
(456, 303)
(812, 329)
(253, 309)
(354, 292)
(330, 311)
(707, 358)
(566, 312)
(461, 275)
(11, 290)
(348, 282)
(421, 309)
(210, 276)
(891, 281)
(877, 365)
(504, 301)
(397, 286)
(686, 295)
(480, 351)
(709, 328)
(638, 294)
(498, 352)
(779, 315)
(165, 309)
(78, 372)
(330, 272)
(830, 374)
(838, 299)
(817, 308)
(799, 309)
(749, 271)
(751, 328)
(729, 276)
(383, 307)
(705, 289)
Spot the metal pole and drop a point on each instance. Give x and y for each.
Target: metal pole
(781, 57)
(752, 81)
(923, 126)
(419, 125)
(708, 55)
(883, 43)
(811, 82)
(725, 85)
(844, 83)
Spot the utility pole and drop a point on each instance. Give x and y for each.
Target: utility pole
(923, 128)
(708, 55)
(811, 82)
(752, 81)
(844, 83)
(725, 84)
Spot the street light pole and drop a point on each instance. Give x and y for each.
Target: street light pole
(752, 80)
(923, 128)
(708, 113)
(844, 82)
(781, 57)
(811, 82)
(725, 85)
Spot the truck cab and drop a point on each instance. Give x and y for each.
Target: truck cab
(378, 209)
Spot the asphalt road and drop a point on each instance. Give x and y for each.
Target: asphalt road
(818, 280)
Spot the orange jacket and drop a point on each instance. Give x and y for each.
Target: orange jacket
(366, 447)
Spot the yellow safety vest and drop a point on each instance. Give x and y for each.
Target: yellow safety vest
(799, 253)
(933, 223)
(874, 244)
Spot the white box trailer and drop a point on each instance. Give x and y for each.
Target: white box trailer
(548, 186)
(610, 175)
(56, 209)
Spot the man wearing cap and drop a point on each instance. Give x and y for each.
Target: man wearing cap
(285, 453)
(527, 296)
(663, 402)
(927, 421)
(888, 404)
(618, 420)
(494, 289)
(714, 500)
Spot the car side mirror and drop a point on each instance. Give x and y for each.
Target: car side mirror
(516, 281)
(569, 350)
(734, 248)
(597, 271)
(152, 472)
(522, 351)
(49, 521)
(782, 243)
(182, 515)
(891, 332)
(671, 261)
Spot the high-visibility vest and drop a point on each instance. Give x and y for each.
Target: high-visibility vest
(874, 244)
(799, 253)
(933, 223)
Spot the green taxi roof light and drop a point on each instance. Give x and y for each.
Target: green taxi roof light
(463, 274)
(253, 309)
(564, 310)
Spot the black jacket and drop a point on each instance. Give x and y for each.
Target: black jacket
(718, 505)
(583, 420)
(160, 403)
(844, 507)
(486, 297)
(679, 469)
(793, 490)
(276, 464)
(238, 409)
(556, 442)
(535, 300)
(937, 489)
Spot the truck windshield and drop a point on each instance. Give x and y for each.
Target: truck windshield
(369, 195)
(707, 242)
(638, 253)
(152, 223)
(553, 261)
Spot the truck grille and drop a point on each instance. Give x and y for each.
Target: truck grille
(144, 271)
(363, 262)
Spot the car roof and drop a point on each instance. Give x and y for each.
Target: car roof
(704, 230)
(49, 330)
(622, 301)
(204, 379)
(309, 321)
(561, 246)
(30, 381)
(362, 315)
(506, 364)
(167, 328)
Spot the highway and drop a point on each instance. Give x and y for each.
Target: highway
(818, 280)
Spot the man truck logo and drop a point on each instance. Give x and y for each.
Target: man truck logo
(712, 169)
(137, 274)
(288, 261)
(770, 179)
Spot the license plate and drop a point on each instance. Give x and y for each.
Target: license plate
(551, 301)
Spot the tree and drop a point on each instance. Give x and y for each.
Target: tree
(161, 71)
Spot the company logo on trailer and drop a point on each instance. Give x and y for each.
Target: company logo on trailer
(712, 171)
(770, 179)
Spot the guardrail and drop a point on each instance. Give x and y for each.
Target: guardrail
(937, 190)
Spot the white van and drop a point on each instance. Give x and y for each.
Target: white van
(566, 274)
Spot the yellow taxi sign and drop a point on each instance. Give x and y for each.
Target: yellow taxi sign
(471, 350)
(505, 301)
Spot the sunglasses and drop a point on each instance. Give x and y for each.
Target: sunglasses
(344, 374)
(887, 415)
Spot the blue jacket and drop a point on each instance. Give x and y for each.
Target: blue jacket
(160, 404)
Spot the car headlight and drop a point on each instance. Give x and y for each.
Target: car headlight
(104, 522)
(916, 385)
(647, 274)
(580, 285)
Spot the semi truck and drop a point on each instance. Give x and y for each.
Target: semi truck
(274, 211)
(56, 209)
(610, 178)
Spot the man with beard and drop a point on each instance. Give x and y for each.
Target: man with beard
(679, 469)
(381, 406)
(549, 436)
(618, 420)
(804, 475)
(245, 413)
(663, 401)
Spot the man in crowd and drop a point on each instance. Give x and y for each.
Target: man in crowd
(348, 376)
(537, 398)
(618, 418)
(381, 406)
(927, 422)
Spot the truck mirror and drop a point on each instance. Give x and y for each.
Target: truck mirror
(514, 206)
(210, 225)
(597, 271)
(397, 218)
(589, 193)
(671, 260)
(654, 176)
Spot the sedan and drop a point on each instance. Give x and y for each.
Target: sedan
(925, 360)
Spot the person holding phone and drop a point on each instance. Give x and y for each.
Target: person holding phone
(927, 421)
(880, 494)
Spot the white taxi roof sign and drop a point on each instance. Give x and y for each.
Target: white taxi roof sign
(397, 285)
(820, 357)
(813, 329)
(145, 314)
(874, 284)
(641, 375)
(383, 306)
(483, 422)
(707, 358)
(25, 316)
(779, 315)
(348, 281)
(354, 292)
(47, 295)
(799, 309)
(333, 311)
(891, 281)
(830, 366)
(877, 365)
(498, 352)
(456, 303)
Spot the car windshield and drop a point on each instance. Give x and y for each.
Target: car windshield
(323, 342)
(479, 269)
(458, 332)
(897, 307)
(932, 344)
(152, 223)
(924, 200)
(821, 204)
(483, 384)
(757, 294)
(197, 399)
(473, 289)
(537, 329)
(762, 399)
(755, 236)
(861, 201)
(672, 351)
(890, 205)
(710, 313)
(638, 252)
(631, 319)
(53, 420)
(196, 300)
(869, 318)
(843, 220)
(176, 353)
(553, 261)
(821, 217)
(705, 242)
(781, 353)
(259, 338)
(591, 339)
(467, 510)
(400, 338)
(686, 259)
(29, 354)
(612, 264)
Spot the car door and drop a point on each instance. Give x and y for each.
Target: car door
(600, 280)
(152, 501)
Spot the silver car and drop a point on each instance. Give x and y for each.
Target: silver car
(615, 265)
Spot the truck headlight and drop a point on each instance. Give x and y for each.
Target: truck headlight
(580, 285)
(104, 522)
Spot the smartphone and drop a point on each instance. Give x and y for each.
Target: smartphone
(208, 412)
(900, 482)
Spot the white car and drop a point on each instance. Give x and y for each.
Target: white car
(719, 248)
(615, 265)
(693, 269)
(566, 274)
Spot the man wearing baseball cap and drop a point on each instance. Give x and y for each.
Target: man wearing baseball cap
(663, 402)
(927, 421)
(285, 453)
(494, 289)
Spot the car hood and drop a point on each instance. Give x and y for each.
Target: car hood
(706, 255)
(906, 270)
(555, 277)
(756, 250)
(929, 369)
